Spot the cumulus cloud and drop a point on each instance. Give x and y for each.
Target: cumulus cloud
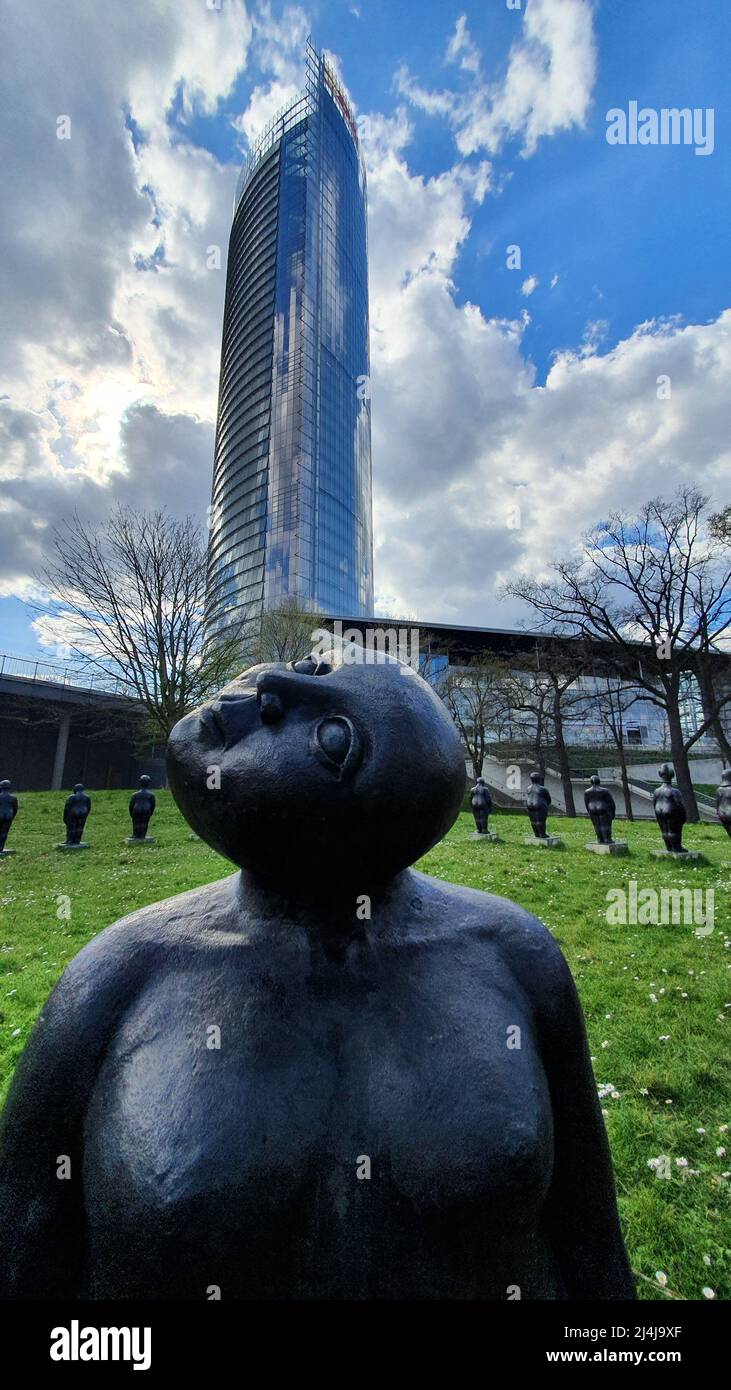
(546, 87)
(529, 285)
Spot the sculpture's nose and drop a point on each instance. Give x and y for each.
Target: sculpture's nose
(271, 705)
(280, 689)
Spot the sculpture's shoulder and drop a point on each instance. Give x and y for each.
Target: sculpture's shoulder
(108, 972)
(472, 921)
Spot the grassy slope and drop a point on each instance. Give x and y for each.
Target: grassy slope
(670, 1225)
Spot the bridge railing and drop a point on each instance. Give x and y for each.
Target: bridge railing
(26, 668)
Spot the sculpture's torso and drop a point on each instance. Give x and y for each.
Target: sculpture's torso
(237, 1166)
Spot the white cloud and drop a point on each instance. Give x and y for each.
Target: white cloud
(529, 285)
(554, 281)
(461, 49)
(546, 87)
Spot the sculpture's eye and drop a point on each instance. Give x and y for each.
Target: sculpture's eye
(336, 744)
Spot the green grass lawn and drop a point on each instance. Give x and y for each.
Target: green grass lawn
(667, 1061)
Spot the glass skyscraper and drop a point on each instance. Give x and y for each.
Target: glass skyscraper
(291, 505)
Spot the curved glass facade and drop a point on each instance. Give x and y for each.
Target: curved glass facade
(291, 507)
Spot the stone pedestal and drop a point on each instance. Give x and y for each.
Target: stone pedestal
(135, 840)
(616, 847)
(550, 842)
(684, 856)
(71, 848)
(489, 835)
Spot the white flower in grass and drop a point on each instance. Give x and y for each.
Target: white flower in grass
(605, 1044)
(681, 1162)
(720, 1152)
(700, 1130)
(708, 1293)
(723, 1129)
(653, 998)
(661, 1277)
(706, 1259)
(664, 1037)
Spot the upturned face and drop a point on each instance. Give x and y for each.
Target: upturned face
(329, 772)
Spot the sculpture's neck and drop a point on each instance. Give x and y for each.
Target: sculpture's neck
(322, 904)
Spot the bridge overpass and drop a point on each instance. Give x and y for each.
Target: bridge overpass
(59, 725)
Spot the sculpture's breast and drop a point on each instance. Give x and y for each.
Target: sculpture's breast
(359, 1101)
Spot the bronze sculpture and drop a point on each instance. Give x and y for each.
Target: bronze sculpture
(723, 800)
(141, 809)
(599, 803)
(8, 812)
(670, 811)
(75, 813)
(326, 1076)
(481, 803)
(538, 802)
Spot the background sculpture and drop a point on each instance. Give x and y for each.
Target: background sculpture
(225, 1069)
(8, 812)
(538, 802)
(141, 809)
(669, 810)
(723, 800)
(481, 802)
(75, 812)
(600, 805)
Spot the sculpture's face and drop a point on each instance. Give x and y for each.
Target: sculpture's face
(332, 774)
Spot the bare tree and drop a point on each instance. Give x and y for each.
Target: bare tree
(654, 591)
(285, 633)
(614, 700)
(128, 599)
(472, 694)
(524, 698)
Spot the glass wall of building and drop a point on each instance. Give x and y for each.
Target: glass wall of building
(291, 506)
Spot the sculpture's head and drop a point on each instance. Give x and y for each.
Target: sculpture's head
(537, 779)
(594, 780)
(666, 773)
(326, 772)
(79, 787)
(144, 780)
(5, 786)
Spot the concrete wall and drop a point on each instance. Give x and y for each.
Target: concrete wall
(503, 777)
(701, 770)
(40, 752)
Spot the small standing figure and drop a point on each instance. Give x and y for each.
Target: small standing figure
(75, 812)
(670, 810)
(8, 812)
(481, 805)
(599, 803)
(539, 800)
(723, 800)
(141, 808)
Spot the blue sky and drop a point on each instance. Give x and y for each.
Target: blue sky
(483, 127)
